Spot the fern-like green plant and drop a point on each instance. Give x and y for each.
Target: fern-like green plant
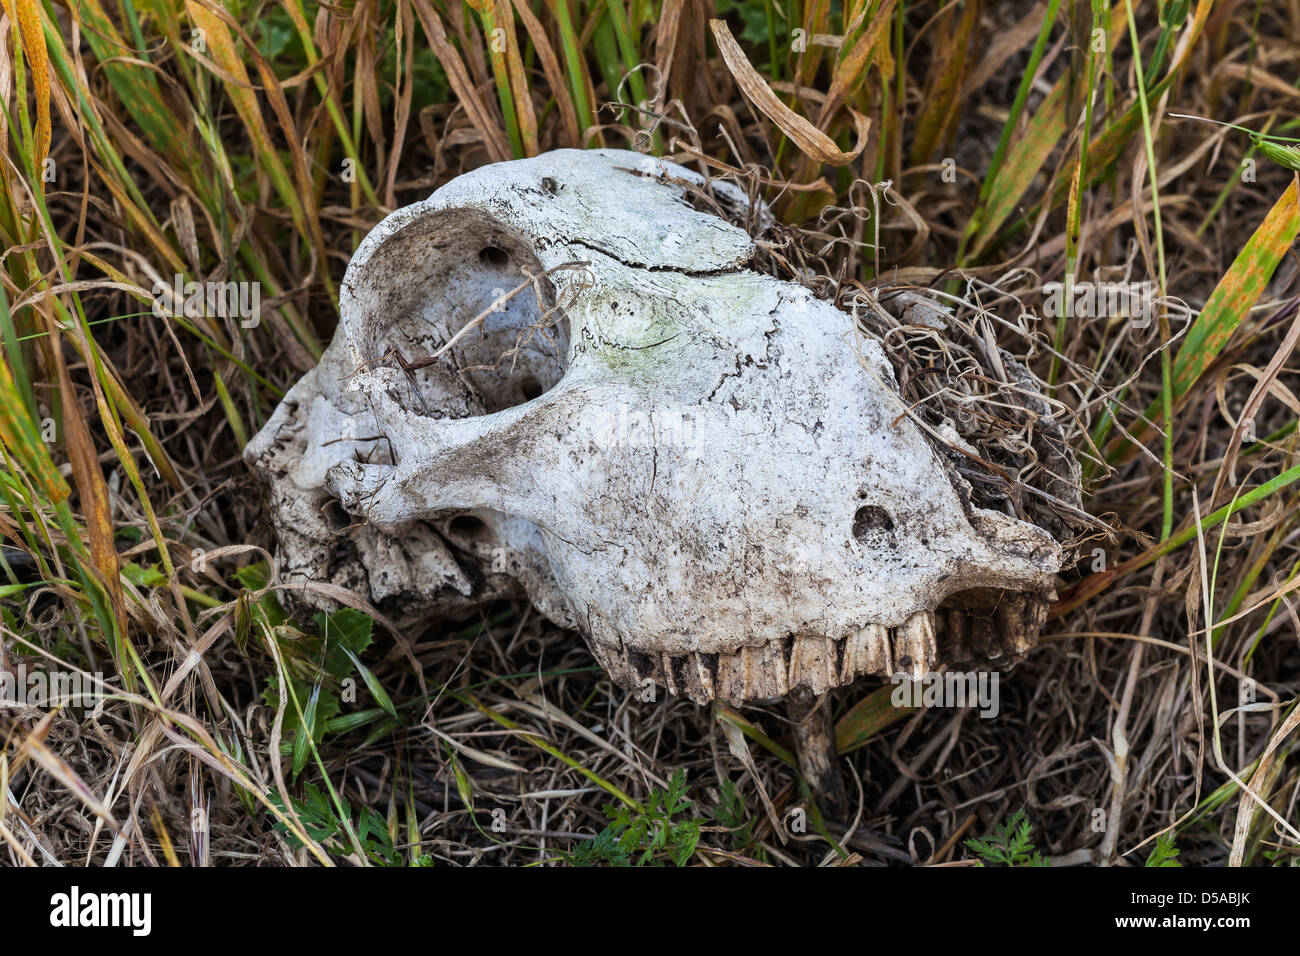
(732, 814)
(1009, 844)
(644, 836)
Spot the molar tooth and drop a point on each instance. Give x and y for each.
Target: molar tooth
(1040, 607)
(771, 670)
(812, 663)
(867, 652)
(643, 667)
(1013, 621)
(699, 678)
(915, 650)
(613, 658)
(765, 670)
(731, 676)
(753, 673)
(957, 644)
(984, 637)
(670, 679)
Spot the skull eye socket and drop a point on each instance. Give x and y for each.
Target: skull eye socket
(441, 285)
(872, 524)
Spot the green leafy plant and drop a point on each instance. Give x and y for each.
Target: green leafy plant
(324, 825)
(732, 814)
(1009, 844)
(320, 667)
(643, 836)
(1165, 853)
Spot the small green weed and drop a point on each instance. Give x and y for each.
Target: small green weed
(324, 825)
(732, 814)
(1009, 844)
(643, 837)
(1165, 853)
(323, 669)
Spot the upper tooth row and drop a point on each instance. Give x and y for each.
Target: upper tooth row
(756, 672)
(763, 672)
(819, 664)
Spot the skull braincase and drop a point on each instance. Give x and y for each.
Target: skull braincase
(705, 470)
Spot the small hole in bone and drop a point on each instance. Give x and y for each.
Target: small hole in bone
(871, 520)
(492, 256)
(468, 529)
(334, 514)
(530, 387)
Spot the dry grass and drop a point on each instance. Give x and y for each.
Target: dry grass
(1016, 149)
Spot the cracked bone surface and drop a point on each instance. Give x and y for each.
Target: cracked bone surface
(706, 471)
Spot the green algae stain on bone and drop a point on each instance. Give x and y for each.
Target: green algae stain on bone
(641, 334)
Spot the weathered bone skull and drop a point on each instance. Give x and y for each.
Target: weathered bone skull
(706, 471)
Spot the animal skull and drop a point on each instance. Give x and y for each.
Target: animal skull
(705, 470)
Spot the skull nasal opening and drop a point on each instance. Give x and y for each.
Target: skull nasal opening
(458, 303)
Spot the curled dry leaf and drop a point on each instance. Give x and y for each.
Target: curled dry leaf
(812, 141)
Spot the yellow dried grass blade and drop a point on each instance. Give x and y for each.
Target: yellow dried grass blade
(92, 494)
(813, 142)
(852, 68)
(1227, 307)
(299, 198)
(31, 36)
(943, 94)
(461, 83)
(1024, 161)
(1238, 290)
(551, 68)
(867, 718)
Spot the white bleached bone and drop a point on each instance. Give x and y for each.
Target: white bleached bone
(705, 470)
